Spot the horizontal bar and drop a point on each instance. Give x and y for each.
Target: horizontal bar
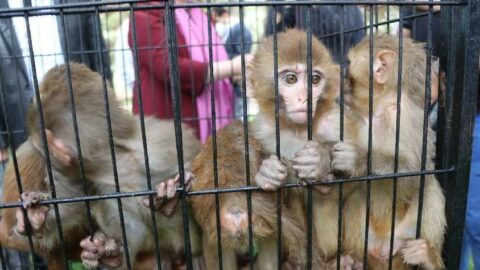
(226, 190)
(90, 7)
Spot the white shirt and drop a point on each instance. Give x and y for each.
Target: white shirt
(46, 43)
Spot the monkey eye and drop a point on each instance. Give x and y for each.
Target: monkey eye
(316, 79)
(291, 78)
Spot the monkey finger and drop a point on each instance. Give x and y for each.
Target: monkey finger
(90, 264)
(171, 189)
(112, 262)
(89, 256)
(323, 189)
(271, 173)
(112, 248)
(274, 165)
(20, 227)
(307, 159)
(161, 190)
(311, 144)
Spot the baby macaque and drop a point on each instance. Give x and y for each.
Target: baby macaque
(105, 247)
(31, 166)
(310, 159)
(350, 158)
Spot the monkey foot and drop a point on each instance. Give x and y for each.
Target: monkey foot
(272, 174)
(167, 197)
(306, 162)
(101, 251)
(416, 252)
(346, 263)
(35, 212)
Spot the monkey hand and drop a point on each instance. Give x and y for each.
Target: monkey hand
(418, 252)
(272, 174)
(344, 158)
(346, 263)
(306, 162)
(101, 251)
(35, 213)
(167, 198)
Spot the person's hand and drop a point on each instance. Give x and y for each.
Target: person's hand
(4, 154)
(237, 64)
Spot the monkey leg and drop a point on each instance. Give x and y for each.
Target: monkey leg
(267, 256)
(419, 252)
(36, 214)
(272, 174)
(210, 255)
(101, 251)
(346, 263)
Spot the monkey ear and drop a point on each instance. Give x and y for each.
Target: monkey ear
(59, 149)
(383, 65)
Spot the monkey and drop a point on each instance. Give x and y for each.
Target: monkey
(300, 158)
(31, 166)
(309, 160)
(104, 247)
(349, 158)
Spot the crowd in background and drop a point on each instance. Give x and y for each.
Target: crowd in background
(123, 45)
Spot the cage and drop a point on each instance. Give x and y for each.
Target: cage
(161, 59)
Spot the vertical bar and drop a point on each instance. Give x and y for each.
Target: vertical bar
(277, 134)
(44, 140)
(342, 118)
(462, 81)
(245, 132)
(214, 133)
(369, 154)
(425, 118)
(175, 88)
(388, 17)
(74, 120)
(397, 138)
(309, 129)
(110, 136)
(144, 137)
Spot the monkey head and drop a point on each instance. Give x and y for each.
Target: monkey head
(89, 98)
(292, 75)
(385, 68)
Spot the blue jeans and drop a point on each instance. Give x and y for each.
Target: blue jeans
(471, 235)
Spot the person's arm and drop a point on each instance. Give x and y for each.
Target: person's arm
(229, 68)
(153, 52)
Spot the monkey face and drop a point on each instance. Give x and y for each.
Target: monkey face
(293, 88)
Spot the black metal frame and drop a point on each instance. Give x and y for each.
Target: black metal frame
(459, 59)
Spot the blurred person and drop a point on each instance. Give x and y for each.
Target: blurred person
(325, 23)
(16, 71)
(471, 233)
(123, 65)
(49, 47)
(417, 28)
(193, 62)
(229, 28)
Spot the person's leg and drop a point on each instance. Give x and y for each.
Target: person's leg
(472, 219)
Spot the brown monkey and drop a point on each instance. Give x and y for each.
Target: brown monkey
(350, 158)
(105, 245)
(32, 170)
(310, 160)
(267, 171)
